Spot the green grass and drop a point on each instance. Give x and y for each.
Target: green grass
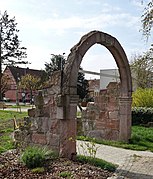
(38, 170)
(6, 128)
(21, 106)
(142, 136)
(5, 115)
(141, 139)
(65, 174)
(97, 162)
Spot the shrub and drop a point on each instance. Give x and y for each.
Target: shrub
(65, 174)
(142, 115)
(34, 157)
(38, 170)
(97, 162)
(143, 97)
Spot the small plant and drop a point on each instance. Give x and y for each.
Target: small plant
(34, 157)
(89, 148)
(97, 162)
(38, 170)
(65, 174)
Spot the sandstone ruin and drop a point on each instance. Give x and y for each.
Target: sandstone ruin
(53, 122)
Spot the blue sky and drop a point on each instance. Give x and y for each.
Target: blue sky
(55, 26)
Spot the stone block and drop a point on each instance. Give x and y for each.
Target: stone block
(112, 106)
(103, 116)
(113, 114)
(102, 106)
(100, 125)
(31, 112)
(98, 134)
(111, 134)
(112, 125)
(60, 113)
(54, 140)
(53, 112)
(55, 126)
(39, 112)
(39, 139)
(44, 124)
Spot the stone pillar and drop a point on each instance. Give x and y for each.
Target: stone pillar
(68, 127)
(125, 118)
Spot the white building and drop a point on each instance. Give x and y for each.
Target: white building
(107, 76)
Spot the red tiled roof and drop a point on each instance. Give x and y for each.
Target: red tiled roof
(18, 72)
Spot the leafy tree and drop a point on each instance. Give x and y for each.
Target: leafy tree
(142, 68)
(147, 19)
(5, 84)
(143, 98)
(57, 62)
(30, 82)
(82, 85)
(10, 51)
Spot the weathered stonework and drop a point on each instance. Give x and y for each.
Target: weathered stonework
(42, 127)
(101, 118)
(53, 122)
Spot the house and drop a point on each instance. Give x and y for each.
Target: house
(15, 74)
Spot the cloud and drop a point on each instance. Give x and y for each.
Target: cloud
(100, 21)
(107, 16)
(91, 2)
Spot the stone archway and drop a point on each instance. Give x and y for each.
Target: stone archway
(54, 123)
(69, 88)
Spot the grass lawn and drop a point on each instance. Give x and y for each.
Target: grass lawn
(22, 106)
(6, 128)
(141, 139)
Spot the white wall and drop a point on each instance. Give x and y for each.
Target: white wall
(107, 76)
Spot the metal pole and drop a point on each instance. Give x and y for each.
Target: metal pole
(61, 74)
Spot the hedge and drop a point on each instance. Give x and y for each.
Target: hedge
(142, 115)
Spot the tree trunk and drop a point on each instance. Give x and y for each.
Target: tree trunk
(1, 97)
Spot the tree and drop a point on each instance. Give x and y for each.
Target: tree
(142, 68)
(30, 82)
(82, 85)
(57, 62)
(147, 19)
(10, 51)
(5, 84)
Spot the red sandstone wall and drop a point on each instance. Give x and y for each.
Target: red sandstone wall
(101, 119)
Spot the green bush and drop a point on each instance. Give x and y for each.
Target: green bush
(34, 157)
(38, 170)
(143, 97)
(97, 162)
(65, 174)
(142, 115)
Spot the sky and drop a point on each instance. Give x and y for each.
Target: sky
(55, 26)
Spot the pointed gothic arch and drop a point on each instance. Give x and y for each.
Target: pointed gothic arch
(69, 88)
